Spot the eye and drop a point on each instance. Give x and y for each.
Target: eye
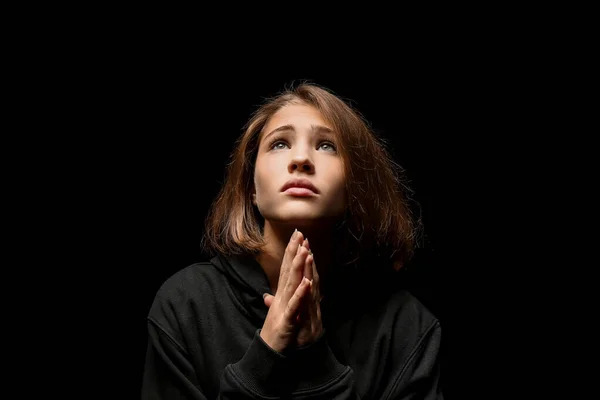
(278, 144)
(330, 146)
(274, 145)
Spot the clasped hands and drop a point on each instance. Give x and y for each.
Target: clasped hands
(302, 269)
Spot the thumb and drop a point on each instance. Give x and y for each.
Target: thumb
(268, 298)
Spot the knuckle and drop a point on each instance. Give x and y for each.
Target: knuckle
(287, 287)
(290, 248)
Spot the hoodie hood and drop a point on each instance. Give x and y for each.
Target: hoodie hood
(248, 281)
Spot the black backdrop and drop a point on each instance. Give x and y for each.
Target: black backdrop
(137, 114)
(162, 133)
(186, 133)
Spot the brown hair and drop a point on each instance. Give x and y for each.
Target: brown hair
(378, 220)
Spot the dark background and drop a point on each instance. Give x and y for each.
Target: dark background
(186, 132)
(160, 122)
(126, 118)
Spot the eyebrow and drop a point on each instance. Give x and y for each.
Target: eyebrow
(316, 129)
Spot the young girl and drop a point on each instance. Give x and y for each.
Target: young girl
(301, 296)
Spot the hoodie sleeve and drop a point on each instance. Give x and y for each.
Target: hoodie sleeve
(168, 374)
(419, 377)
(308, 373)
(320, 375)
(262, 373)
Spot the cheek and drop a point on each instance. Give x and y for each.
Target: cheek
(259, 182)
(341, 182)
(341, 190)
(262, 181)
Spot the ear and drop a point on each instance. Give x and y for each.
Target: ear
(254, 198)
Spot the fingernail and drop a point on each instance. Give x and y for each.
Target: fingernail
(295, 233)
(265, 295)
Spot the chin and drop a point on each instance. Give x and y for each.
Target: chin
(299, 214)
(299, 219)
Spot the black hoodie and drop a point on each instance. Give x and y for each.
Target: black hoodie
(379, 342)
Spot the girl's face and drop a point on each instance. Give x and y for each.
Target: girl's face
(297, 143)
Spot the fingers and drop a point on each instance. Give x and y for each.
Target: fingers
(293, 306)
(304, 310)
(308, 270)
(290, 252)
(313, 306)
(315, 274)
(317, 285)
(309, 312)
(295, 273)
(268, 298)
(287, 265)
(298, 294)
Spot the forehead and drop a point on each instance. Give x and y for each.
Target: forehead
(295, 114)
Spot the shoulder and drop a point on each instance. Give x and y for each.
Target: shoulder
(395, 302)
(408, 324)
(183, 294)
(187, 281)
(388, 293)
(408, 310)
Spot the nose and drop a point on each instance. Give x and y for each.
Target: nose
(301, 162)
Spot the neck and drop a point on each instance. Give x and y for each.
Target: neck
(277, 237)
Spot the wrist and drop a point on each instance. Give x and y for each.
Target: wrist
(269, 341)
